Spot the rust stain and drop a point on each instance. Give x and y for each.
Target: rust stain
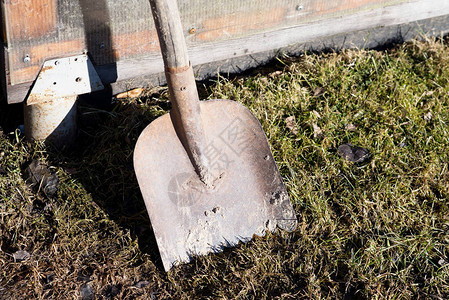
(238, 23)
(46, 68)
(31, 18)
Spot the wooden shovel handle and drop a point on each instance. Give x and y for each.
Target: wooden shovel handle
(185, 112)
(171, 38)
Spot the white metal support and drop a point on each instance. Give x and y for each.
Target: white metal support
(50, 109)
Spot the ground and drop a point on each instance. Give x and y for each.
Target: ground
(373, 229)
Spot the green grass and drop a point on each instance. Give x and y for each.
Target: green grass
(377, 230)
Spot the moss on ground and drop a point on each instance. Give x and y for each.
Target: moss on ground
(379, 229)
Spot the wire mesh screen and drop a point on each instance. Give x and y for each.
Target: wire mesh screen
(37, 30)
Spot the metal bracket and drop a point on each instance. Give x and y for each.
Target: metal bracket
(64, 77)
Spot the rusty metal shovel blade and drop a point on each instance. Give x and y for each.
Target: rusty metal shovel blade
(246, 198)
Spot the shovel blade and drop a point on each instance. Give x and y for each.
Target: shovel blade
(247, 198)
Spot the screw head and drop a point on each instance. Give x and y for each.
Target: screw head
(27, 58)
(192, 30)
(299, 7)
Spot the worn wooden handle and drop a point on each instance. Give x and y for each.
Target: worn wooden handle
(171, 38)
(186, 110)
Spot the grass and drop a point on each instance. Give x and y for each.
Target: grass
(376, 230)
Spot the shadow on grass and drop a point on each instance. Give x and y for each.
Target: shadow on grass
(102, 162)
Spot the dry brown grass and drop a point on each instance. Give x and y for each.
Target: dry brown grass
(377, 230)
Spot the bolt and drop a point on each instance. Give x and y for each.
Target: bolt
(78, 79)
(299, 7)
(27, 58)
(56, 62)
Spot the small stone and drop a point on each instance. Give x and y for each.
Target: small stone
(428, 116)
(141, 284)
(353, 153)
(86, 292)
(291, 124)
(317, 132)
(21, 255)
(318, 91)
(351, 127)
(40, 177)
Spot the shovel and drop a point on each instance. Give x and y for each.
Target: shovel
(205, 170)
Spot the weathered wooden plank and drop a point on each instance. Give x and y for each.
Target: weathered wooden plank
(129, 73)
(30, 18)
(368, 38)
(112, 30)
(206, 53)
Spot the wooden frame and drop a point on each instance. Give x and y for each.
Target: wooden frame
(229, 38)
